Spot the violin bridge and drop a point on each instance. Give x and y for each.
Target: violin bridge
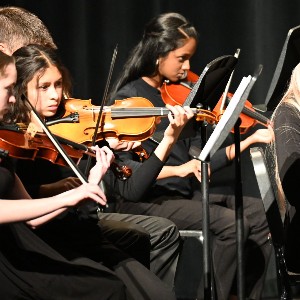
(32, 129)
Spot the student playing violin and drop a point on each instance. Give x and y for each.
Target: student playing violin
(164, 52)
(30, 268)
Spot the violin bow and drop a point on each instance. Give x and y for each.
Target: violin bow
(104, 99)
(237, 53)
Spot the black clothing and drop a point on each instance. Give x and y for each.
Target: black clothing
(31, 269)
(164, 239)
(132, 234)
(287, 141)
(179, 200)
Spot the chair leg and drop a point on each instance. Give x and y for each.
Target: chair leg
(283, 282)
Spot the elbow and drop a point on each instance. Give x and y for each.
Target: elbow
(33, 224)
(135, 196)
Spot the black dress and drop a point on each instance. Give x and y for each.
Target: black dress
(76, 235)
(31, 269)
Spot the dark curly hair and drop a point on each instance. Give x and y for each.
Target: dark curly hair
(32, 60)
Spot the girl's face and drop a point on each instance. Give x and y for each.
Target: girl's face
(45, 92)
(175, 65)
(7, 82)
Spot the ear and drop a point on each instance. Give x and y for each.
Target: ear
(4, 48)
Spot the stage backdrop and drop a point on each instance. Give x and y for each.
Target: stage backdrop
(87, 31)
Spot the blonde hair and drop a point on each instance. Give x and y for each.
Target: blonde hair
(292, 94)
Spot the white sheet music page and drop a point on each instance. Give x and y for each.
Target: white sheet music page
(227, 121)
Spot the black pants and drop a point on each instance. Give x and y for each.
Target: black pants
(76, 239)
(187, 214)
(164, 238)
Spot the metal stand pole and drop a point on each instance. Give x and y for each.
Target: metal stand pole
(239, 214)
(208, 295)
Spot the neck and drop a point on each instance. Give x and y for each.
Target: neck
(153, 81)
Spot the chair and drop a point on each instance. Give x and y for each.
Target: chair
(189, 274)
(192, 233)
(277, 221)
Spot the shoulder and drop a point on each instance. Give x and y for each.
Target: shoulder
(139, 88)
(131, 89)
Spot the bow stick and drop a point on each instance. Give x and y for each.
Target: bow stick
(104, 99)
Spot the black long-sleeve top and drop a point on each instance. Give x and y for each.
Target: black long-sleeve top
(179, 154)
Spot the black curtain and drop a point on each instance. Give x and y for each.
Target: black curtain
(87, 31)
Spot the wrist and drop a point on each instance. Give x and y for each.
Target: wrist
(169, 139)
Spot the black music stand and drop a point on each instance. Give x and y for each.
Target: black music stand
(229, 120)
(289, 58)
(212, 81)
(206, 92)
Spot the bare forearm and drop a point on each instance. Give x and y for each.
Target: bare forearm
(46, 218)
(162, 151)
(29, 209)
(167, 171)
(230, 150)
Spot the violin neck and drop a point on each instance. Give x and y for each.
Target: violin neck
(253, 114)
(256, 116)
(141, 112)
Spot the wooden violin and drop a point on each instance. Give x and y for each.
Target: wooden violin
(175, 93)
(21, 145)
(249, 117)
(131, 119)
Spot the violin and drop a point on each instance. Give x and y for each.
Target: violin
(141, 153)
(21, 145)
(131, 119)
(249, 117)
(175, 93)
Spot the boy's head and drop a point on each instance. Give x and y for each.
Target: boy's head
(19, 27)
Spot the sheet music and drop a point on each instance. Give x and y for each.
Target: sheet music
(228, 119)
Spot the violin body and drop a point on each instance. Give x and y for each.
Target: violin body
(22, 146)
(249, 117)
(125, 129)
(175, 93)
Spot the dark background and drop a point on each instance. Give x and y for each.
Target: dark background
(87, 31)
